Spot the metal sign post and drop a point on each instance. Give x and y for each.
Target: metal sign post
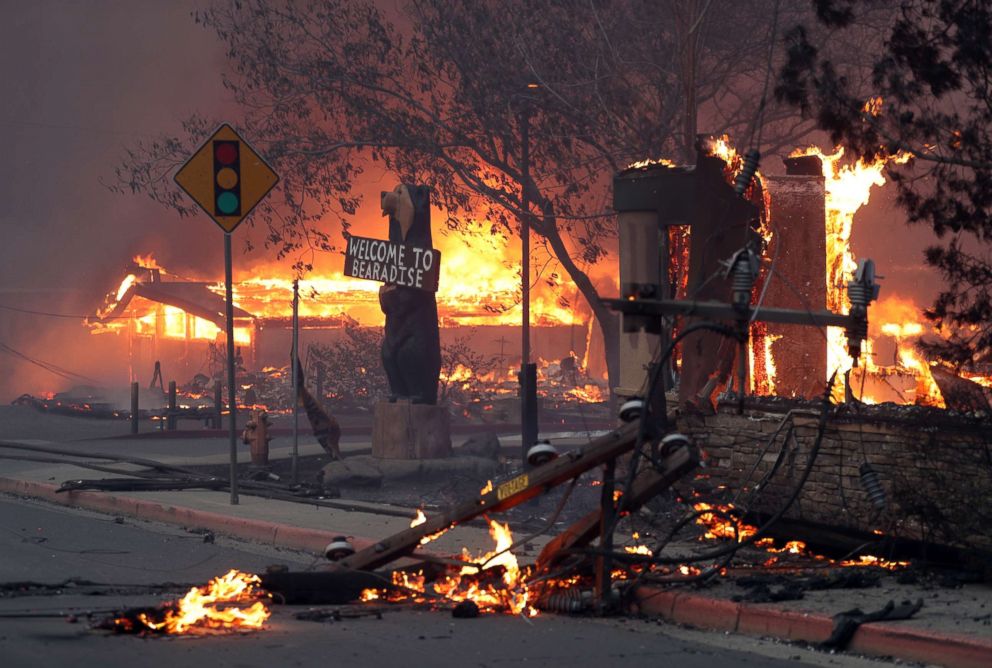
(296, 378)
(227, 178)
(528, 372)
(232, 388)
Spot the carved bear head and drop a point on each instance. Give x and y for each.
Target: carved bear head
(409, 211)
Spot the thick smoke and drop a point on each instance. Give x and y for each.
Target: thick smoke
(82, 81)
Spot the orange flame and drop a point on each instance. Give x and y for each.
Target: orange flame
(848, 188)
(761, 364)
(718, 526)
(218, 605)
(420, 519)
(873, 106)
(637, 549)
(147, 262)
(479, 285)
(589, 393)
(511, 595)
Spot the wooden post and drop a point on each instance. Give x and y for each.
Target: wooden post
(607, 507)
(170, 419)
(506, 495)
(134, 408)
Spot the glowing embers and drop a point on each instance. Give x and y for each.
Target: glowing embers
(230, 602)
(722, 521)
(638, 548)
(493, 581)
(588, 393)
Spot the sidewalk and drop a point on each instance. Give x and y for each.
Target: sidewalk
(296, 525)
(954, 628)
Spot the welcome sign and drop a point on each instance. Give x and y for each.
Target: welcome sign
(388, 262)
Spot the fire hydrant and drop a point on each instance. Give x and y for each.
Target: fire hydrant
(256, 436)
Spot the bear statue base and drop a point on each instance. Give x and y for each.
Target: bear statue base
(402, 430)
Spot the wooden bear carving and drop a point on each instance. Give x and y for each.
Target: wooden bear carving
(411, 346)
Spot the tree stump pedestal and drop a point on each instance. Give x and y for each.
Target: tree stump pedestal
(402, 430)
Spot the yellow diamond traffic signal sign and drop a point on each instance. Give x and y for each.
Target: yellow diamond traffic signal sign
(226, 177)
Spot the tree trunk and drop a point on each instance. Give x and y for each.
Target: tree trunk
(609, 322)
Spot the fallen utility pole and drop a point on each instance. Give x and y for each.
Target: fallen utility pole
(648, 484)
(526, 486)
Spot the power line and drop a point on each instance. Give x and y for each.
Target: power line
(74, 128)
(58, 315)
(47, 366)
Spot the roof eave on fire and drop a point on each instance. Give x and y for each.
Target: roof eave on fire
(193, 298)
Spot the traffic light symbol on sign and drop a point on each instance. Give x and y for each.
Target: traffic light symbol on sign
(227, 178)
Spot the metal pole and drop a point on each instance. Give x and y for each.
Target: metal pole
(296, 377)
(170, 420)
(219, 404)
(134, 407)
(528, 417)
(231, 387)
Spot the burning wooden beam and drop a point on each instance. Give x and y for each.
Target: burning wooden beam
(512, 493)
(798, 244)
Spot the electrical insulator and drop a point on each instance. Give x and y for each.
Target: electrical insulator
(541, 452)
(748, 170)
(571, 600)
(742, 269)
(861, 291)
(872, 486)
(339, 548)
(631, 409)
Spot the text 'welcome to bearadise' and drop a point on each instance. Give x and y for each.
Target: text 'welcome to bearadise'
(388, 262)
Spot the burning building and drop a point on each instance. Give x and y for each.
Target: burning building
(160, 317)
(889, 468)
(154, 315)
(805, 220)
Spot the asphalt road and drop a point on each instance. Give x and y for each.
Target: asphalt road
(49, 544)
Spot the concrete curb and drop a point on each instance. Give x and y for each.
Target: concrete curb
(878, 639)
(271, 533)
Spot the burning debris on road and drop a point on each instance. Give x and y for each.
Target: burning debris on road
(228, 603)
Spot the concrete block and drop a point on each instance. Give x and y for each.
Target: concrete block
(481, 445)
(352, 472)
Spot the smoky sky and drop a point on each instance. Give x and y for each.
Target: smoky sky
(85, 79)
(82, 81)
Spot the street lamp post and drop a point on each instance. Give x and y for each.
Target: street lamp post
(528, 371)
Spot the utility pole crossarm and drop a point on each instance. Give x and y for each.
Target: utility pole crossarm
(724, 311)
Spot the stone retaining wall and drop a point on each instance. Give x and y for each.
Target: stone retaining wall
(936, 471)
